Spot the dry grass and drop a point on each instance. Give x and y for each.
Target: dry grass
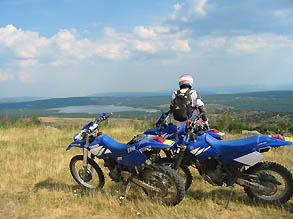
(36, 183)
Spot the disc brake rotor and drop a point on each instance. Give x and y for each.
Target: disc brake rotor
(87, 176)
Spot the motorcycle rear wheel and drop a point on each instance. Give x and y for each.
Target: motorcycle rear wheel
(92, 179)
(167, 181)
(277, 180)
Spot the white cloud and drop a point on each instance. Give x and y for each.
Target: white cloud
(57, 63)
(258, 42)
(213, 42)
(26, 63)
(5, 76)
(109, 32)
(145, 32)
(26, 76)
(191, 9)
(69, 45)
(177, 7)
(114, 51)
(249, 43)
(181, 45)
(285, 15)
(145, 46)
(24, 44)
(253, 43)
(199, 7)
(174, 14)
(163, 29)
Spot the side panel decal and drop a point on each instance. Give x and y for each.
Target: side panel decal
(250, 159)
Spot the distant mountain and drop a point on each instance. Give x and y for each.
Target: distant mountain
(243, 89)
(132, 94)
(273, 101)
(20, 99)
(202, 90)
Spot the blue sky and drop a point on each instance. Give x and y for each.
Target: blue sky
(76, 48)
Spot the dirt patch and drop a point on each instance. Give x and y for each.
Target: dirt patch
(8, 210)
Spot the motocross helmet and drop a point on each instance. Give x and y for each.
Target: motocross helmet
(186, 80)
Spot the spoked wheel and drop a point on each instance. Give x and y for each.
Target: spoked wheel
(183, 171)
(276, 180)
(92, 177)
(166, 180)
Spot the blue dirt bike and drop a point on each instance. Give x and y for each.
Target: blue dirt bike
(226, 163)
(169, 131)
(127, 163)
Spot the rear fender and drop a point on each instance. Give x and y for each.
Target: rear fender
(267, 141)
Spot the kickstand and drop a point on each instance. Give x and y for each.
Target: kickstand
(230, 196)
(123, 197)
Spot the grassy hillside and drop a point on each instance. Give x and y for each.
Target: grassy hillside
(272, 101)
(36, 182)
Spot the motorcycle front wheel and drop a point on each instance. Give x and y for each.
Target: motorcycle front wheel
(170, 185)
(276, 180)
(91, 177)
(183, 171)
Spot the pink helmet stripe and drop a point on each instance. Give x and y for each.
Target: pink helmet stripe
(186, 79)
(186, 75)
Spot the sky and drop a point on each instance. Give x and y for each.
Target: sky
(65, 48)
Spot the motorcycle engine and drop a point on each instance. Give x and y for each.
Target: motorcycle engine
(111, 164)
(213, 172)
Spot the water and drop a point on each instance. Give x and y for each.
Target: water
(92, 109)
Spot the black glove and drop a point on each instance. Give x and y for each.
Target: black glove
(206, 126)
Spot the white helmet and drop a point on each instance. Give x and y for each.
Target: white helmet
(186, 80)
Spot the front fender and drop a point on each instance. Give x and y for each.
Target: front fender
(77, 144)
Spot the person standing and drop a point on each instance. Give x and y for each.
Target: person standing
(185, 101)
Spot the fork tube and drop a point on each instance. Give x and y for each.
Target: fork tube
(85, 152)
(179, 157)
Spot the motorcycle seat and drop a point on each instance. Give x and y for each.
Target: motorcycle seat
(114, 146)
(234, 146)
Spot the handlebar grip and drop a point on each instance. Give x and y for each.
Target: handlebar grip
(102, 117)
(108, 115)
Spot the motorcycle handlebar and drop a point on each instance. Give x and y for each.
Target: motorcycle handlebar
(102, 117)
(94, 125)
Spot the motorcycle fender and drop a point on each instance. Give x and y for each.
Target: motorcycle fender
(77, 144)
(269, 141)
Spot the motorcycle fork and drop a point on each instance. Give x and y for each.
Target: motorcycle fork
(179, 156)
(85, 155)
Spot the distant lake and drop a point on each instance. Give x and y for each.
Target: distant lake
(92, 109)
